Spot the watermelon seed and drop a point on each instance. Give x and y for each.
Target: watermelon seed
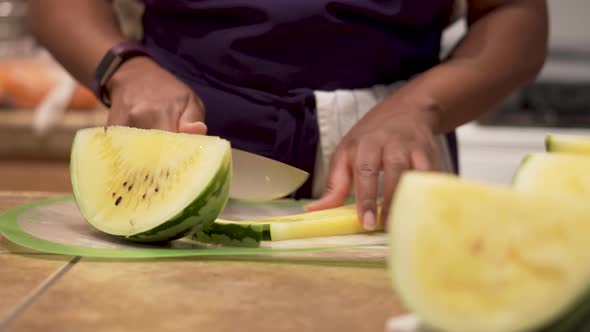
(118, 201)
(125, 184)
(113, 194)
(130, 187)
(146, 178)
(156, 189)
(477, 247)
(143, 196)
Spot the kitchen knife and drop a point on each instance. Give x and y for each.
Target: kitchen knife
(257, 178)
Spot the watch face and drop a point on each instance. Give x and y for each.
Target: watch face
(108, 67)
(103, 73)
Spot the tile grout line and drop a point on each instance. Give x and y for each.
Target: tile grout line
(40, 290)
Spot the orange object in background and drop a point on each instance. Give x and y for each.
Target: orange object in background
(25, 82)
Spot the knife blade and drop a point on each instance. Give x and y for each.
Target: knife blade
(258, 178)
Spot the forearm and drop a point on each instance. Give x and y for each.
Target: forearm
(76, 32)
(503, 49)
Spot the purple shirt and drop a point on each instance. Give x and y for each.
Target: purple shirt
(256, 63)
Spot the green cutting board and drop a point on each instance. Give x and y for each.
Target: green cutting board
(56, 226)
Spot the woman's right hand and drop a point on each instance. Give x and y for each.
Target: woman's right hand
(144, 95)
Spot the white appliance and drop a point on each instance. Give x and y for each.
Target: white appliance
(493, 154)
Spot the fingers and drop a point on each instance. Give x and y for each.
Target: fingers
(338, 184)
(150, 117)
(395, 162)
(196, 128)
(117, 116)
(191, 120)
(193, 110)
(426, 159)
(367, 160)
(157, 100)
(184, 115)
(366, 173)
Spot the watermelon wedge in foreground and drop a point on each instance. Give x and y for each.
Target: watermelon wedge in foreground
(558, 173)
(568, 144)
(149, 185)
(467, 256)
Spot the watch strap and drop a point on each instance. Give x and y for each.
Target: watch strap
(109, 64)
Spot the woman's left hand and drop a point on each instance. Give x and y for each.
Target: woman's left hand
(395, 136)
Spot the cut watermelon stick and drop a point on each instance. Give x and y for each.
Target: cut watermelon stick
(331, 222)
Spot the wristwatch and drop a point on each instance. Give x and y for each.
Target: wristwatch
(109, 64)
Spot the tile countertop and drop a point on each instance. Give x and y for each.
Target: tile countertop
(60, 293)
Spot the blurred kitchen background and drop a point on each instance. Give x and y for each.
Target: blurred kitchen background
(34, 151)
(557, 102)
(34, 148)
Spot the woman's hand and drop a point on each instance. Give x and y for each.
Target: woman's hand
(395, 136)
(144, 95)
(504, 48)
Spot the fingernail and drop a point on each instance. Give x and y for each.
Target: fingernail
(369, 220)
(309, 206)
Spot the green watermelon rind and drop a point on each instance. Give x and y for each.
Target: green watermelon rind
(555, 144)
(524, 163)
(202, 212)
(549, 143)
(572, 318)
(233, 234)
